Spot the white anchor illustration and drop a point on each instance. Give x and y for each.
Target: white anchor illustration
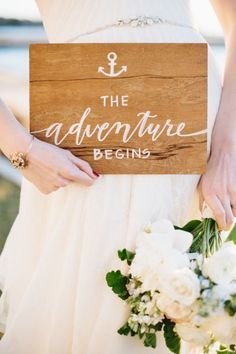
(112, 63)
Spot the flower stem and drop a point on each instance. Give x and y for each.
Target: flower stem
(206, 238)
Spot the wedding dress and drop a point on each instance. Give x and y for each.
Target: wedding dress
(52, 270)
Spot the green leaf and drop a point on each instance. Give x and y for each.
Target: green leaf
(190, 226)
(125, 329)
(117, 282)
(222, 349)
(206, 238)
(229, 308)
(232, 235)
(126, 255)
(225, 351)
(132, 333)
(157, 327)
(150, 340)
(172, 339)
(139, 333)
(230, 305)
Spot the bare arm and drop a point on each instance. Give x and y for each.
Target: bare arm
(50, 167)
(9, 125)
(226, 11)
(218, 185)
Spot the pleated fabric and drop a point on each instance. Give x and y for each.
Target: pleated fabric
(52, 270)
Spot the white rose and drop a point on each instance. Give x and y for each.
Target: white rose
(162, 235)
(144, 270)
(150, 282)
(181, 285)
(150, 266)
(193, 334)
(223, 328)
(140, 266)
(221, 266)
(173, 309)
(159, 249)
(224, 291)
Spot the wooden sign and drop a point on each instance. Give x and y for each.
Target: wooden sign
(126, 108)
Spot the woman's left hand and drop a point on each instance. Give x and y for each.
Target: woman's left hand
(218, 185)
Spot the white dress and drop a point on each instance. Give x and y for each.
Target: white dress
(52, 270)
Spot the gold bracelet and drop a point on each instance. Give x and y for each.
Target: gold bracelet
(19, 159)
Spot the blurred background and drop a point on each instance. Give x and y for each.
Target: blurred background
(20, 25)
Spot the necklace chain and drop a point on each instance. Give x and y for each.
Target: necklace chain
(138, 21)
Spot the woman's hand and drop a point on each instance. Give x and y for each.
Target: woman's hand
(51, 167)
(218, 185)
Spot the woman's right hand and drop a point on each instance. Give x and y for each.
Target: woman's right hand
(51, 167)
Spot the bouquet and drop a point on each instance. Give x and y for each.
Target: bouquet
(181, 281)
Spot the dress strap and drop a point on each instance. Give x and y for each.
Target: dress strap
(139, 21)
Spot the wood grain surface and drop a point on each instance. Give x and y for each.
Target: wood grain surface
(168, 80)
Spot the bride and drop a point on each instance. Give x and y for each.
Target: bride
(71, 221)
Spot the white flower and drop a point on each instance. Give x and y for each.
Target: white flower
(149, 266)
(224, 291)
(223, 328)
(143, 270)
(193, 334)
(131, 286)
(150, 308)
(181, 285)
(160, 249)
(133, 322)
(173, 309)
(162, 234)
(221, 266)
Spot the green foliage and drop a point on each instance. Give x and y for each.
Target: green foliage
(172, 339)
(206, 238)
(157, 327)
(150, 340)
(125, 329)
(190, 226)
(140, 334)
(232, 235)
(226, 350)
(126, 255)
(230, 305)
(118, 282)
